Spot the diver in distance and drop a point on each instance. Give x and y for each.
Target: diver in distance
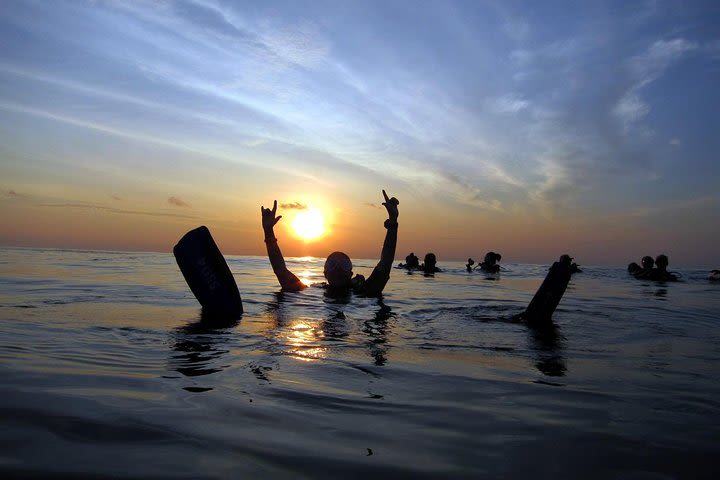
(490, 263)
(658, 273)
(638, 271)
(429, 264)
(574, 267)
(338, 266)
(469, 265)
(412, 262)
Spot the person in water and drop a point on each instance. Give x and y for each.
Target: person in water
(640, 271)
(574, 267)
(469, 265)
(714, 275)
(648, 272)
(338, 266)
(429, 264)
(412, 262)
(489, 263)
(660, 272)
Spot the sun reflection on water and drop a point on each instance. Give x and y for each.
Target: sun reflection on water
(304, 337)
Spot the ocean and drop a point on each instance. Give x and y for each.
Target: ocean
(107, 371)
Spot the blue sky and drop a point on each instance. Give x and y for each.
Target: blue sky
(565, 114)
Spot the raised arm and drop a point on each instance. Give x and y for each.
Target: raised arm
(381, 274)
(288, 281)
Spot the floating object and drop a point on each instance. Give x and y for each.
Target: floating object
(208, 275)
(548, 296)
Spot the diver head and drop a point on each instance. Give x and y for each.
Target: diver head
(567, 259)
(338, 270)
(647, 262)
(661, 261)
(430, 261)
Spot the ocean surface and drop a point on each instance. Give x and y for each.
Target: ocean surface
(106, 371)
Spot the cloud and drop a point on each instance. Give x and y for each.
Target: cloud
(658, 57)
(293, 206)
(645, 69)
(115, 197)
(373, 205)
(91, 206)
(631, 108)
(11, 194)
(178, 202)
(509, 104)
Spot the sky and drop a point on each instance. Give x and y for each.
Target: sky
(528, 128)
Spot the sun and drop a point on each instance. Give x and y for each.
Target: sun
(309, 224)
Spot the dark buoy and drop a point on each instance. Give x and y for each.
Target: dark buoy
(208, 275)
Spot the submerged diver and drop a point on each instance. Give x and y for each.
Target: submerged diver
(489, 264)
(338, 267)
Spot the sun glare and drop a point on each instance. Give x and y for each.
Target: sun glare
(309, 224)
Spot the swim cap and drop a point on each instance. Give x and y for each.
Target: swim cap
(338, 262)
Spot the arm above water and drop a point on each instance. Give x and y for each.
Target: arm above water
(288, 281)
(381, 274)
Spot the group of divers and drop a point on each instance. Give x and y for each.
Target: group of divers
(489, 264)
(212, 283)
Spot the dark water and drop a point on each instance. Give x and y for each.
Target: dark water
(106, 371)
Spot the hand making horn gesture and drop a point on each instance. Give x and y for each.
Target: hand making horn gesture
(391, 205)
(268, 216)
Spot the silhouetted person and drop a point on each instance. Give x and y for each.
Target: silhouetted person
(542, 306)
(639, 271)
(412, 262)
(489, 263)
(338, 267)
(574, 267)
(429, 263)
(660, 272)
(469, 265)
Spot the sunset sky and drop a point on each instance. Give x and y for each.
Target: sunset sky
(530, 128)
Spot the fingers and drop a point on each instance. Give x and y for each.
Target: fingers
(390, 200)
(274, 207)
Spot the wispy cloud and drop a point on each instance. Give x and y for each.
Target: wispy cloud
(645, 69)
(178, 202)
(293, 206)
(104, 208)
(509, 103)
